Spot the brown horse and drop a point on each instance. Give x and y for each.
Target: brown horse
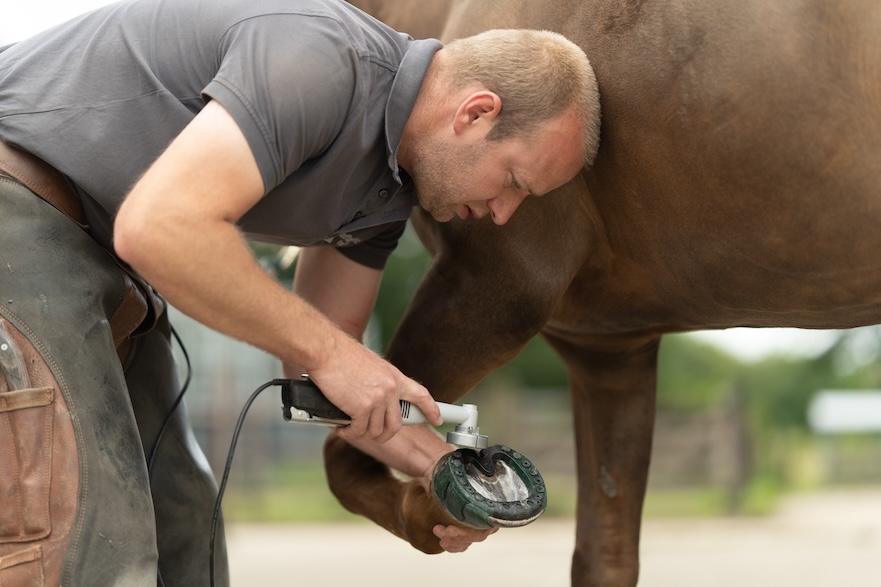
(738, 183)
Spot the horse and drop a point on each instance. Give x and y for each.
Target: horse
(737, 184)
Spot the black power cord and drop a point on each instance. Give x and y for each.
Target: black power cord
(235, 438)
(232, 449)
(174, 406)
(155, 448)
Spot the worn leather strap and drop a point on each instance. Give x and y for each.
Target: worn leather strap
(26, 398)
(141, 305)
(42, 179)
(26, 556)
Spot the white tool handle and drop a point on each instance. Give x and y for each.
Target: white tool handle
(465, 414)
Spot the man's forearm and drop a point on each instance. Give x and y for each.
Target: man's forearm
(234, 296)
(413, 451)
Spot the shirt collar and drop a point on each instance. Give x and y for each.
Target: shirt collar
(402, 97)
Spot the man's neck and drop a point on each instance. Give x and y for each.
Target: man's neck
(424, 116)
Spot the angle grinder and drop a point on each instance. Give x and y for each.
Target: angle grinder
(481, 486)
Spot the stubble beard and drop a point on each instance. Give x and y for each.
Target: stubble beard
(435, 165)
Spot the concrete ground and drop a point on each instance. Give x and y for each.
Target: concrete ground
(822, 540)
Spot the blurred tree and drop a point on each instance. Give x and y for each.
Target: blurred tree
(400, 279)
(781, 388)
(692, 375)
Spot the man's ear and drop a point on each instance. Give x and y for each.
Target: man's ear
(478, 111)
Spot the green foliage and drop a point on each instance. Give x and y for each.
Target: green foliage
(692, 375)
(538, 366)
(400, 279)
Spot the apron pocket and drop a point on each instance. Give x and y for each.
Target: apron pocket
(26, 426)
(24, 567)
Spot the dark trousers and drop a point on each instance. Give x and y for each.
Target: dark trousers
(77, 506)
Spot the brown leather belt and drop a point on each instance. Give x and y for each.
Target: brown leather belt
(42, 179)
(141, 305)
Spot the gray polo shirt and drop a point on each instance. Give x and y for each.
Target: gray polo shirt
(321, 91)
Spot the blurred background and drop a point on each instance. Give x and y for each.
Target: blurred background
(744, 417)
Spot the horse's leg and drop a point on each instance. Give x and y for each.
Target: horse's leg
(367, 487)
(613, 400)
(448, 356)
(484, 298)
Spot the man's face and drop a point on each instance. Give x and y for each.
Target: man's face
(477, 177)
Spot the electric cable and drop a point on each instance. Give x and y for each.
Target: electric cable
(226, 470)
(174, 406)
(155, 448)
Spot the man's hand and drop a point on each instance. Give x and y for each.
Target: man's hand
(369, 390)
(458, 539)
(355, 379)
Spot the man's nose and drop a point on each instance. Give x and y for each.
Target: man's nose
(503, 207)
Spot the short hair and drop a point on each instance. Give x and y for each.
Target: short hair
(537, 74)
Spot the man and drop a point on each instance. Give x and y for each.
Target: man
(169, 131)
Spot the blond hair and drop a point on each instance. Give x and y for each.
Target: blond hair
(538, 75)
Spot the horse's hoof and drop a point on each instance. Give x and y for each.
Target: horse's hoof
(496, 487)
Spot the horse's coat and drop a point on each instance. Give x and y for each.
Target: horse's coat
(738, 183)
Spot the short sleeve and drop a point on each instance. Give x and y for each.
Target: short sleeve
(375, 251)
(288, 82)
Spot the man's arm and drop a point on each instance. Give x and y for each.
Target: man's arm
(177, 229)
(341, 289)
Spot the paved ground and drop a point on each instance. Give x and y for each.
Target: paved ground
(828, 540)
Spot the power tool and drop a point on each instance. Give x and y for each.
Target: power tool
(313, 407)
(481, 486)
